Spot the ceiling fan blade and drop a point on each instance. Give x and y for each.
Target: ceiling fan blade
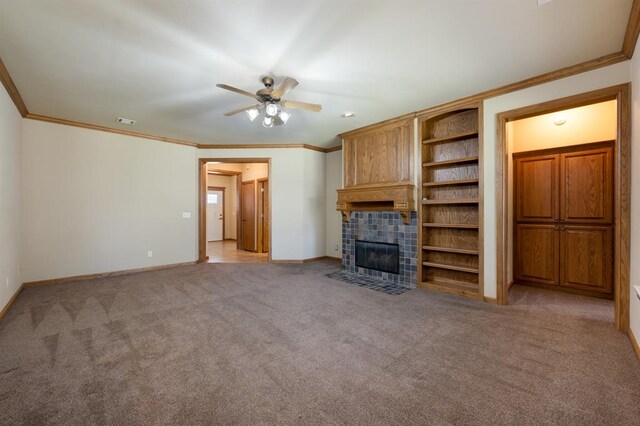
(301, 105)
(236, 90)
(287, 84)
(238, 111)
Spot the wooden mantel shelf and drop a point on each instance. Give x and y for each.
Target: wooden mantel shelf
(395, 197)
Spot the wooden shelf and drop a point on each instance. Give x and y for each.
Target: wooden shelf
(449, 201)
(451, 138)
(450, 225)
(453, 201)
(452, 182)
(451, 250)
(451, 267)
(451, 162)
(454, 287)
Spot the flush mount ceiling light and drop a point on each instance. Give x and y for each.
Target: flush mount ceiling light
(348, 114)
(270, 102)
(559, 119)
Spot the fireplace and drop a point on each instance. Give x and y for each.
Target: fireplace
(383, 257)
(381, 233)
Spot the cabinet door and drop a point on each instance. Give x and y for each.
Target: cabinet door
(587, 186)
(537, 188)
(536, 256)
(587, 258)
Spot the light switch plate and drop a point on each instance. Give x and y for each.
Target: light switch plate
(637, 287)
(186, 215)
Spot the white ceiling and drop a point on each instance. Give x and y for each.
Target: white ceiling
(157, 61)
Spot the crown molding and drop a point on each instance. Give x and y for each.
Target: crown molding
(633, 30)
(12, 90)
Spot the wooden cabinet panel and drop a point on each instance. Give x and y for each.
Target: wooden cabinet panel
(587, 186)
(587, 257)
(382, 155)
(536, 256)
(537, 188)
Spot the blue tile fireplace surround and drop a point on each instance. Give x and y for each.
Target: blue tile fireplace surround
(382, 227)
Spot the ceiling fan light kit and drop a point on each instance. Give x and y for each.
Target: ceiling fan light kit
(270, 102)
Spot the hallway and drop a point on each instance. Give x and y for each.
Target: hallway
(226, 252)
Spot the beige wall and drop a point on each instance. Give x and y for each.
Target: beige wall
(592, 80)
(591, 123)
(635, 194)
(230, 202)
(314, 204)
(97, 202)
(333, 182)
(10, 198)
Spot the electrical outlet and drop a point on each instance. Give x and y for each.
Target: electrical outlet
(149, 253)
(335, 247)
(186, 215)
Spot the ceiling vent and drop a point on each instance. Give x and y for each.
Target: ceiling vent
(126, 121)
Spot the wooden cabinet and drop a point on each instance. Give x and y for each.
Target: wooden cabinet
(451, 202)
(379, 169)
(563, 202)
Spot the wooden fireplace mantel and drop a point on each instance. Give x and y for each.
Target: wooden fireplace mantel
(390, 197)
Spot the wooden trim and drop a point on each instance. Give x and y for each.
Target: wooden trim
(229, 173)
(564, 149)
(632, 339)
(10, 303)
(633, 30)
(12, 90)
(262, 146)
(622, 184)
(81, 125)
(288, 261)
(491, 300)
(302, 261)
(64, 280)
(333, 149)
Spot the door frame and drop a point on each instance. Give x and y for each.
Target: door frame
(622, 188)
(202, 197)
(224, 206)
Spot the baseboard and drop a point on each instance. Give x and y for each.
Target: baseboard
(7, 308)
(510, 285)
(315, 259)
(102, 275)
(491, 300)
(230, 239)
(634, 343)
(300, 261)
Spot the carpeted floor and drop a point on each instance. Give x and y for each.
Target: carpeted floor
(284, 344)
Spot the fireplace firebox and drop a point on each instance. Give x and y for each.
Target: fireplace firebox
(383, 257)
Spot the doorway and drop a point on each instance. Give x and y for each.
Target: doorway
(234, 214)
(620, 175)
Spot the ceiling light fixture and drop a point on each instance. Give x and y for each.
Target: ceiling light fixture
(267, 122)
(559, 119)
(284, 116)
(348, 114)
(253, 113)
(271, 110)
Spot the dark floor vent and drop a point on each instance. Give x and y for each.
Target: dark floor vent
(383, 257)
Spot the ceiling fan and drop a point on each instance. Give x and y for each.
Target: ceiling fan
(270, 101)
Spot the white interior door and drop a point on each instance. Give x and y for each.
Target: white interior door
(214, 215)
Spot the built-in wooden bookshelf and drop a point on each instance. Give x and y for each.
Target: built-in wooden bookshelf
(450, 198)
